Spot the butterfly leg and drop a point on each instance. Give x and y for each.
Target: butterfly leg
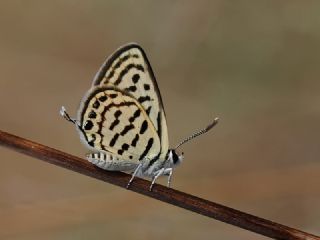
(158, 174)
(168, 172)
(134, 174)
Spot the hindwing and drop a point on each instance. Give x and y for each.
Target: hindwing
(129, 70)
(114, 121)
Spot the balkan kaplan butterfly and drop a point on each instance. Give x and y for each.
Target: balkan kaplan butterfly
(121, 118)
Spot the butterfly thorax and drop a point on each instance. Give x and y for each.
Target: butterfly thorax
(173, 158)
(152, 166)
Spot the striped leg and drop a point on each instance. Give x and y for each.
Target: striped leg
(168, 172)
(135, 173)
(157, 174)
(162, 171)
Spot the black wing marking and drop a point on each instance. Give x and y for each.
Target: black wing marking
(129, 70)
(111, 120)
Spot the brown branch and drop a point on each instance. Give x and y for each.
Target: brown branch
(168, 195)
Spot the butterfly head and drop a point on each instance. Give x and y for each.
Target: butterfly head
(174, 157)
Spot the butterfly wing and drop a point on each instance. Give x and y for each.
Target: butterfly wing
(114, 121)
(129, 70)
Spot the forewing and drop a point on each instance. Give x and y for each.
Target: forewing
(111, 120)
(129, 70)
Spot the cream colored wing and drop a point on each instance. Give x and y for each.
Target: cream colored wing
(129, 70)
(112, 120)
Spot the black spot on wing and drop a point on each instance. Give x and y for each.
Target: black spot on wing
(147, 149)
(120, 151)
(126, 129)
(144, 127)
(92, 114)
(135, 140)
(135, 115)
(131, 89)
(135, 78)
(125, 147)
(113, 95)
(88, 125)
(146, 87)
(113, 124)
(114, 140)
(103, 98)
(126, 70)
(96, 104)
(143, 99)
(148, 110)
(117, 113)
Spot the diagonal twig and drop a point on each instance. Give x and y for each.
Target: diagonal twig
(168, 195)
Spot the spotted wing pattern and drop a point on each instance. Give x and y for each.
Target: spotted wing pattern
(129, 70)
(112, 120)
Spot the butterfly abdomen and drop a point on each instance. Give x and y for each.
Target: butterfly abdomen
(109, 162)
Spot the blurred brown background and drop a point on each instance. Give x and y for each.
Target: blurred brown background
(255, 64)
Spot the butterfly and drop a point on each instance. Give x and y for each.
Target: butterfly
(121, 119)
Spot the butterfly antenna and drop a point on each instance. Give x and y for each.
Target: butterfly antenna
(67, 117)
(198, 133)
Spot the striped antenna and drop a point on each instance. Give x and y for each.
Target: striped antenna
(198, 133)
(66, 116)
